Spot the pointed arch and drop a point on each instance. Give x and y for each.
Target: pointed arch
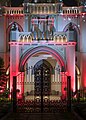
(8, 33)
(77, 34)
(30, 52)
(38, 64)
(74, 26)
(10, 26)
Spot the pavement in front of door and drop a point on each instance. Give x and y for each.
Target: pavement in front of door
(40, 116)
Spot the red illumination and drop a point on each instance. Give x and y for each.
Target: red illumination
(1, 91)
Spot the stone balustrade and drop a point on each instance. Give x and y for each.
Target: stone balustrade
(13, 10)
(72, 10)
(41, 8)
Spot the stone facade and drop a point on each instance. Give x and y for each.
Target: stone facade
(44, 31)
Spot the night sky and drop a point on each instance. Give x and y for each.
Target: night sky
(66, 2)
(70, 2)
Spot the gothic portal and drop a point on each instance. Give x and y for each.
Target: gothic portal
(41, 54)
(43, 42)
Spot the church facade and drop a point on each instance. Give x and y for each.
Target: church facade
(41, 44)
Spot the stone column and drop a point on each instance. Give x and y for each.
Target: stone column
(27, 23)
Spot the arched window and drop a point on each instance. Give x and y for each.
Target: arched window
(73, 27)
(8, 31)
(13, 31)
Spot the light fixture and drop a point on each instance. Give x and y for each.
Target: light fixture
(78, 25)
(72, 7)
(64, 19)
(84, 20)
(69, 19)
(83, 16)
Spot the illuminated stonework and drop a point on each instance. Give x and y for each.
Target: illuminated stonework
(44, 32)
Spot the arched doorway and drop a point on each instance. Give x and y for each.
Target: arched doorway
(31, 55)
(45, 65)
(39, 49)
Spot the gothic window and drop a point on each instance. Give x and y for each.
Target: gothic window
(74, 33)
(9, 29)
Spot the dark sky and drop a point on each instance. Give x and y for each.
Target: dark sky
(70, 2)
(66, 2)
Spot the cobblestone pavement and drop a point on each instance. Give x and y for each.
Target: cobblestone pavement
(40, 116)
